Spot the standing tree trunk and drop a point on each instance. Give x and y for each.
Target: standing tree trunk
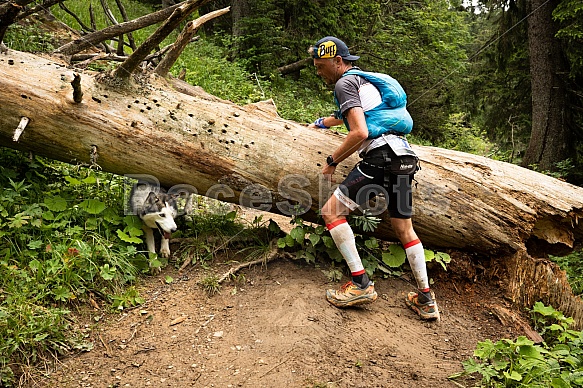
(240, 9)
(550, 135)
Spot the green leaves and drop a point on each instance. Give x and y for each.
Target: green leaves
(107, 272)
(132, 237)
(395, 257)
(557, 362)
(92, 206)
(440, 257)
(55, 203)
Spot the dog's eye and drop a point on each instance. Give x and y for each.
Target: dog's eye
(162, 215)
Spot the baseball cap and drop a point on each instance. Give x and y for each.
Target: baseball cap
(329, 47)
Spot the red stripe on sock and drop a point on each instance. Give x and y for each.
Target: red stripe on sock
(425, 290)
(411, 243)
(335, 224)
(358, 273)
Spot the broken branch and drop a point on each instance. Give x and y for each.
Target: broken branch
(97, 37)
(41, 7)
(134, 60)
(272, 255)
(124, 15)
(18, 131)
(183, 39)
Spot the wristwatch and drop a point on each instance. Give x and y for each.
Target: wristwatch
(330, 161)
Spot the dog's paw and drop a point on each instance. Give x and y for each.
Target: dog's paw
(155, 270)
(165, 253)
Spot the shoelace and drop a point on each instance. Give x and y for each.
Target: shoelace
(345, 286)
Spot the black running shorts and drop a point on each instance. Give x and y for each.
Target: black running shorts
(367, 180)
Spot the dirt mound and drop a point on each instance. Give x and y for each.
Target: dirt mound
(276, 329)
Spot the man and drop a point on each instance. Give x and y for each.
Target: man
(377, 120)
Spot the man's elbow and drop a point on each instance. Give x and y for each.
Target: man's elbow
(361, 135)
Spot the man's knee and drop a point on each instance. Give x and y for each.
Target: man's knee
(403, 228)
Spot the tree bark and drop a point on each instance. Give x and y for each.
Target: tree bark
(8, 13)
(180, 135)
(240, 10)
(550, 135)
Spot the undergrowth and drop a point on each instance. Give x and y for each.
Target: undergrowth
(572, 264)
(557, 362)
(308, 241)
(60, 243)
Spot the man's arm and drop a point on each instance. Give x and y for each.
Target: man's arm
(357, 134)
(325, 122)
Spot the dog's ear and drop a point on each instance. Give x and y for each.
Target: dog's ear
(152, 198)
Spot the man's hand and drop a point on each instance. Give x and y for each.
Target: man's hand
(328, 171)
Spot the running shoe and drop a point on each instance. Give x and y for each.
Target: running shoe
(351, 294)
(427, 310)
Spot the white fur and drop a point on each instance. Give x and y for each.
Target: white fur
(157, 211)
(164, 220)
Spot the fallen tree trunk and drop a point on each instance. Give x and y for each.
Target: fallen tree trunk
(462, 201)
(248, 155)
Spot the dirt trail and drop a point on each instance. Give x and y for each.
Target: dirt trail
(277, 330)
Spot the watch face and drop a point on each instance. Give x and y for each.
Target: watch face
(329, 160)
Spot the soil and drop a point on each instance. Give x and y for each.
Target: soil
(276, 329)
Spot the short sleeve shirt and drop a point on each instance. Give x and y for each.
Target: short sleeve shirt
(355, 91)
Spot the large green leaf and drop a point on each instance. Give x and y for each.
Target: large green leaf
(395, 257)
(55, 203)
(92, 206)
(125, 237)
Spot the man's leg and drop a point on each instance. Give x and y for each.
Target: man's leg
(422, 301)
(360, 290)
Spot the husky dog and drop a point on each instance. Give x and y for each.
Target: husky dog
(157, 210)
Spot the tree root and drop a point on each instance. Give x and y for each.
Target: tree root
(273, 254)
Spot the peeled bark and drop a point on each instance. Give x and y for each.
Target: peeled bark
(249, 155)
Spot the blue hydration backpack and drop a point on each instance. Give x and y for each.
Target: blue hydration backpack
(391, 115)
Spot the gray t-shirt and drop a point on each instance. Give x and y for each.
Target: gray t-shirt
(355, 91)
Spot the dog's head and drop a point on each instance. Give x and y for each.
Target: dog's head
(159, 211)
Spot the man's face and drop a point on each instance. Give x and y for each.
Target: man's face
(327, 69)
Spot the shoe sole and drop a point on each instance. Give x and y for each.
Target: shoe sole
(358, 301)
(423, 315)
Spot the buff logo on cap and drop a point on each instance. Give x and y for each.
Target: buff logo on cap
(327, 49)
(330, 47)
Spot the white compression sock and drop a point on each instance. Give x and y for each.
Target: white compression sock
(343, 236)
(416, 257)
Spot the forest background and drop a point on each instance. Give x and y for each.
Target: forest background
(502, 79)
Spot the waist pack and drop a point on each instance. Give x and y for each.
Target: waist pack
(395, 157)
